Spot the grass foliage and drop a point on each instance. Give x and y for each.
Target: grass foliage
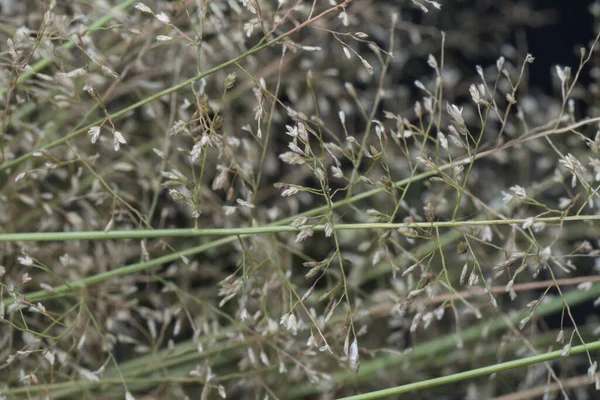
(295, 199)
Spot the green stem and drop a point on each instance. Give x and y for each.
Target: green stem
(474, 373)
(192, 232)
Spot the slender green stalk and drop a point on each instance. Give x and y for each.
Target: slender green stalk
(474, 373)
(191, 232)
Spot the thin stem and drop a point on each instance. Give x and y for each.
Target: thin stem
(192, 232)
(474, 373)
